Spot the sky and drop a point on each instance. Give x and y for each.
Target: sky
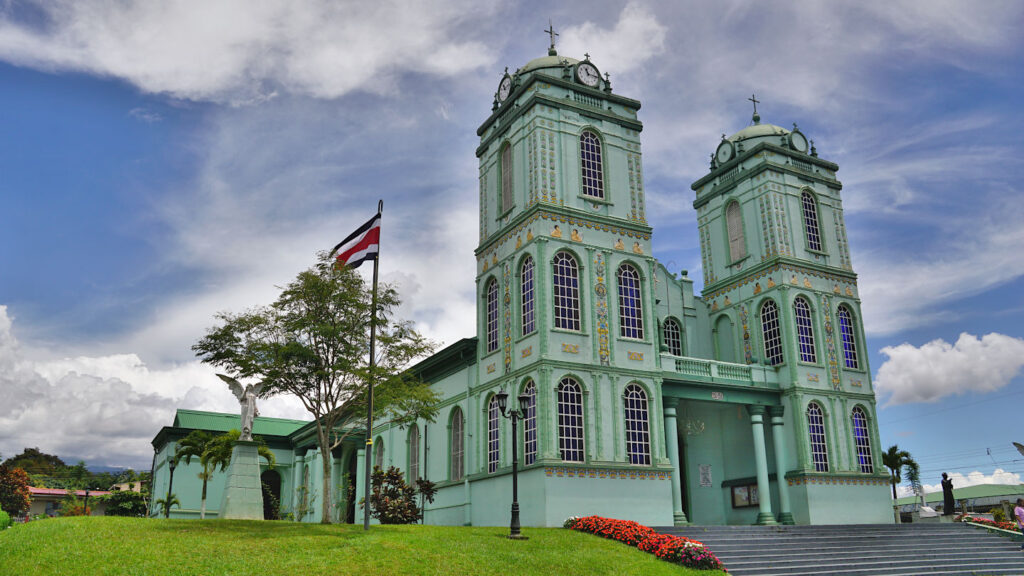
(164, 161)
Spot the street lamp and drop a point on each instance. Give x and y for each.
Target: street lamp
(173, 463)
(514, 415)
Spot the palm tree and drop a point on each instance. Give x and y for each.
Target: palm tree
(896, 461)
(197, 443)
(219, 454)
(166, 504)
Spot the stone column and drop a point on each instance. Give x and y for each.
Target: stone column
(785, 513)
(761, 461)
(672, 446)
(243, 494)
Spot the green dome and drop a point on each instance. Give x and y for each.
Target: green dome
(546, 62)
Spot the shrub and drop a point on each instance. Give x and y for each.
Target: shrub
(5, 520)
(14, 494)
(675, 549)
(392, 501)
(998, 514)
(125, 503)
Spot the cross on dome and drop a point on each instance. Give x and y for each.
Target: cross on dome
(551, 32)
(753, 98)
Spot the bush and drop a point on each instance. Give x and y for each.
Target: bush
(5, 520)
(14, 494)
(675, 549)
(998, 514)
(125, 503)
(392, 501)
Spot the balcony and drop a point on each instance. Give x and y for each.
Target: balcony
(713, 371)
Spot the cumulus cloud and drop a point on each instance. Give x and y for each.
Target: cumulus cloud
(636, 37)
(238, 51)
(938, 369)
(976, 478)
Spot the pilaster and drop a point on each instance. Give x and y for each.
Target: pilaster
(764, 517)
(672, 446)
(785, 511)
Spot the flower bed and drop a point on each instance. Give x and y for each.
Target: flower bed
(675, 549)
(1011, 526)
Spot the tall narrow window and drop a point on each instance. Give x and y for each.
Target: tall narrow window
(492, 315)
(804, 330)
(593, 168)
(638, 434)
(811, 221)
(770, 331)
(567, 292)
(526, 295)
(414, 453)
(816, 430)
(734, 225)
(631, 317)
(861, 441)
(570, 420)
(673, 337)
(493, 419)
(506, 178)
(530, 426)
(849, 336)
(378, 453)
(458, 451)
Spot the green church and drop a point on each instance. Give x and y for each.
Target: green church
(749, 404)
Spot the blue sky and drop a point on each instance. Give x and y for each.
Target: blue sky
(161, 163)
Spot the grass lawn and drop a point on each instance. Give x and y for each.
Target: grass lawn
(110, 545)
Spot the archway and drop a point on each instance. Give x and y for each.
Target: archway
(271, 482)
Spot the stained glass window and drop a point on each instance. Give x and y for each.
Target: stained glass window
(860, 439)
(590, 160)
(492, 315)
(570, 420)
(566, 292)
(772, 335)
(804, 330)
(530, 426)
(638, 435)
(457, 445)
(849, 336)
(673, 337)
(493, 420)
(631, 318)
(811, 221)
(526, 295)
(816, 430)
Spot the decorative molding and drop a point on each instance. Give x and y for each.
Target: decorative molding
(837, 481)
(606, 473)
(748, 354)
(491, 368)
(812, 378)
(507, 304)
(833, 365)
(601, 308)
(807, 272)
(526, 351)
(570, 348)
(636, 356)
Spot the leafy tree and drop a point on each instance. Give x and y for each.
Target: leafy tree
(33, 461)
(313, 343)
(14, 495)
(896, 461)
(392, 501)
(214, 452)
(126, 503)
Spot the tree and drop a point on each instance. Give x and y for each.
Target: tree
(896, 461)
(33, 461)
(213, 452)
(126, 503)
(165, 504)
(313, 343)
(14, 495)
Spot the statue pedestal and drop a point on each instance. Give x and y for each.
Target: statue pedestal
(243, 493)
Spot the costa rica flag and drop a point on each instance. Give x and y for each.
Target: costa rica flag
(361, 245)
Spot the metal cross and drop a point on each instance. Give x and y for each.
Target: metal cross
(753, 98)
(551, 32)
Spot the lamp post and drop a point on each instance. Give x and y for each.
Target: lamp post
(172, 464)
(87, 502)
(514, 415)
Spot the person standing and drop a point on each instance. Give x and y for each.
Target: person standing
(948, 505)
(1019, 513)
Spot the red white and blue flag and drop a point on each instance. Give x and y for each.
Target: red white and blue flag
(360, 246)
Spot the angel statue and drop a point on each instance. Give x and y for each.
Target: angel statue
(247, 398)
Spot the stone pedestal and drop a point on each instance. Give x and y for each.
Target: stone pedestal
(243, 493)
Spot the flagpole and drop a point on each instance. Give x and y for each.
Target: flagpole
(369, 398)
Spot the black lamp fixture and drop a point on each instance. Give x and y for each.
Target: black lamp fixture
(514, 415)
(172, 464)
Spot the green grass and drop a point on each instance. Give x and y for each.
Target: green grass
(100, 546)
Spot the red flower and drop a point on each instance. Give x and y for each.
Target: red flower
(676, 549)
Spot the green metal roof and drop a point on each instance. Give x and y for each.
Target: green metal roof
(220, 422)
(970, 493)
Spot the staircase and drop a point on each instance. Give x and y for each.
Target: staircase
(862, 550)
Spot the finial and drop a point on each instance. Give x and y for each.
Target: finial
(551, 32)
(506, 70)
(586, 55)
(753, 98)
(794, 127)
(712, 160)
(814, 151)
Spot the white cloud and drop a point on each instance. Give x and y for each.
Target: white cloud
(938, 369)
(976, 478)
(239, 51)
(636, 37)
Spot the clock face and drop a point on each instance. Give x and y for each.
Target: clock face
(798, 141)
(588, 74)
(505, 88)
(724, 152)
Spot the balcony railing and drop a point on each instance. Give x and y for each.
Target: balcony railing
(713, 370)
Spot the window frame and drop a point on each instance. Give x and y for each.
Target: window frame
(528, 296)
(506, 180)
(812, 221)
(848, 337)
(631, 405)
(803, 319)
(378, 453)
(492, 318)
(862, 440)
(771, 336)
(457, 445)
(530, 436)
(677, 326)
(493, 444)
(631, 308)
(594, 165)
(571, 425)
(734, 223)
(567, 315)
(817, 436)
(413, 457)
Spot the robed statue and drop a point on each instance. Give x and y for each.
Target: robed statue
(247, 398)
(948, 505)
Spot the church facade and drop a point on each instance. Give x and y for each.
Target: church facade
(749, 404)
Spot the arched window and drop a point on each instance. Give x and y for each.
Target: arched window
(530, 426)
(378, 453)
(861, 441)
(804, 330)
(492, 315)
(458, 451)
(414, 453)
(638, 434)
(771, 333)
(631, 317)
(593, 167)
(526, 295)
(734, 224)
(673, 337)
(849, 336)
(506, 178)
(811, 221)
(816, 430)
(493, 419)
(567, 292)
(570, 420)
